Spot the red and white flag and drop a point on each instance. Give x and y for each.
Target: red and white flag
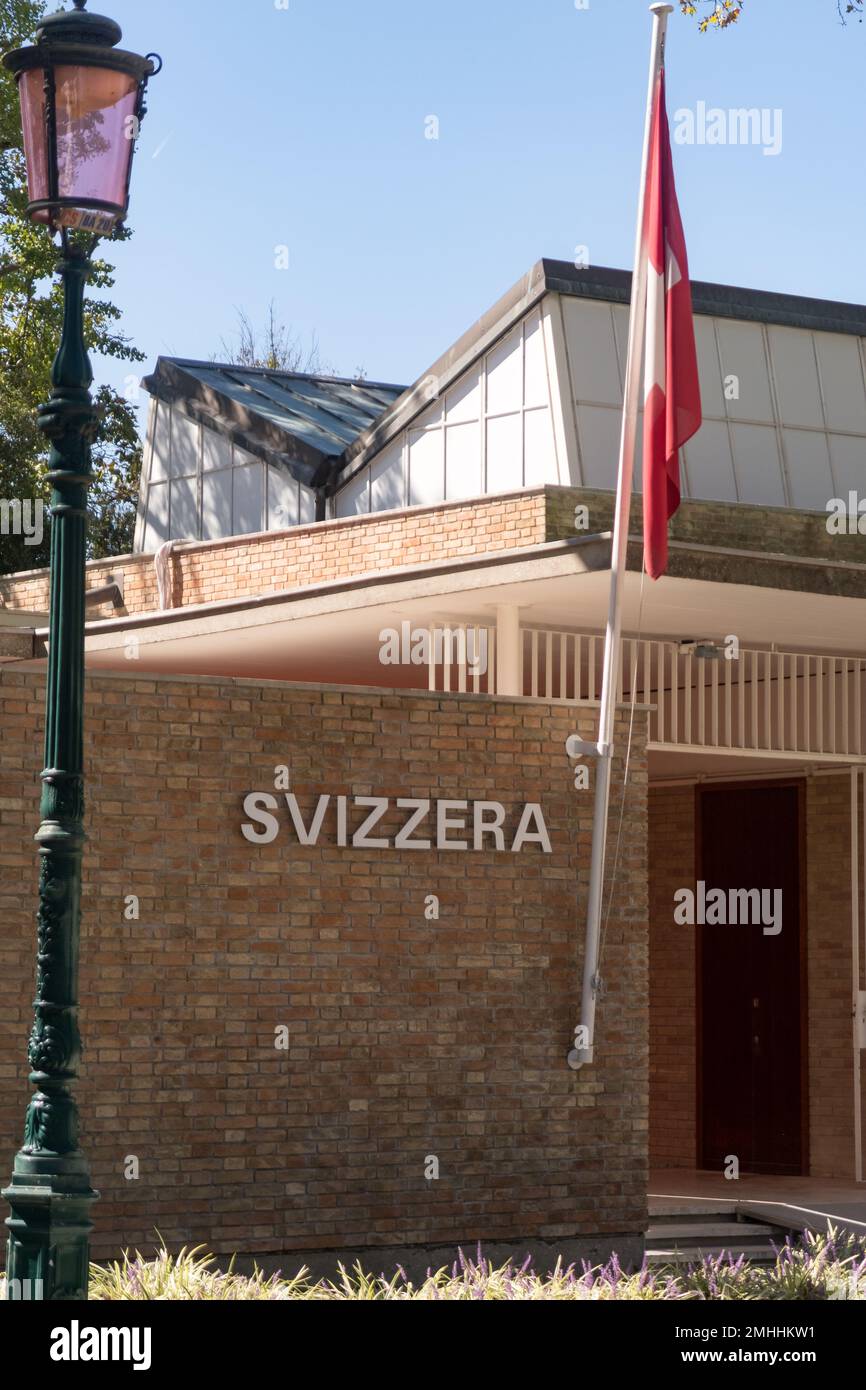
(672, 397)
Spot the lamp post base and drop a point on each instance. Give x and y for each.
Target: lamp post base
(47, 1256)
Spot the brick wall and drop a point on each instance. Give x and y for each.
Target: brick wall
(776, 531)
(828, 948)
(275, 561)
(828, 824)
(717, 531)
(407, 1038)
(246, 566)
(671, 839)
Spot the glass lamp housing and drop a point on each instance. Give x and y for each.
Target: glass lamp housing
(82, 101)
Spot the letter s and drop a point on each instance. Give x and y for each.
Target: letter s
(253, 804)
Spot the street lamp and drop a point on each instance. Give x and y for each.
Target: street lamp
(82, 101)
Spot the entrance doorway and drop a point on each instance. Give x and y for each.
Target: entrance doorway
(751, 989)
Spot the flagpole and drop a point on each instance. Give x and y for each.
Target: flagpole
(582, 1051)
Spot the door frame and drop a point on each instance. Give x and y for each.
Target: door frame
(748, 784)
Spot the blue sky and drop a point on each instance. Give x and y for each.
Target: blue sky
(304, 127)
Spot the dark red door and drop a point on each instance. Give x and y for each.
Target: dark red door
(751, 1045)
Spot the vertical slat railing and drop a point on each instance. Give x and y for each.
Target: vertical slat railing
(675, 693)
(831, 701)
(773, 702)
(702, 702)
(729, 700)
(819, 702)
(688, 685)
(807, 703)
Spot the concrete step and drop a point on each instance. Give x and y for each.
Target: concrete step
(686, 1238)
(708, 1230)
(759, 1254)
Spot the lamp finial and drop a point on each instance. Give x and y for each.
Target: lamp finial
(79, 25)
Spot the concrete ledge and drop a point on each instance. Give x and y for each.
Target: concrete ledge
(722, 541)
(18, 644)
(417, 1259)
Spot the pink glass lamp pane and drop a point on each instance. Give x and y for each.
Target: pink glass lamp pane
(95, 130)
(31, 89)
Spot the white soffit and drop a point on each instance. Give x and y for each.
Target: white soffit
(335, 635)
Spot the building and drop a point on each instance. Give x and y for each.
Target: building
(335, 1014)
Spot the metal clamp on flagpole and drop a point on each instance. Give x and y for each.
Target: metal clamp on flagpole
(579, 748)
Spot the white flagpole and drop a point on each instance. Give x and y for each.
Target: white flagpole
(582, 1051)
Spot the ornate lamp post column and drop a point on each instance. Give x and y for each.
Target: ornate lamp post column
(82, 100)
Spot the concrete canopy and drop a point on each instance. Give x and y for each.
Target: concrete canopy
(330, 632)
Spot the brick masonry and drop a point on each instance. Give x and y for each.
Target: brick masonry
(828, 904)
(733, 543)
(671, 837)
(828, 951)
(279, 561)
(407, 1038)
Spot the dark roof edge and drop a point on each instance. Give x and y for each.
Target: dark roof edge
(723, 301)
(170, 384)
(360, 382)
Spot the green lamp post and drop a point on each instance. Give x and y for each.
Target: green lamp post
(82, 101)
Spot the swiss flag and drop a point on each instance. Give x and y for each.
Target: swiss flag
(672, 396)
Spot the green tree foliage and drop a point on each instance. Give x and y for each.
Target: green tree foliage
(719, 14)
(31, 308)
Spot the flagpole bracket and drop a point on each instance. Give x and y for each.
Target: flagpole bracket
(580, 748)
